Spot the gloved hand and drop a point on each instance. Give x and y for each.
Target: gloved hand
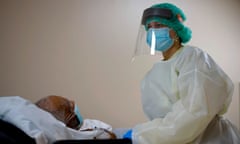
(128, 134)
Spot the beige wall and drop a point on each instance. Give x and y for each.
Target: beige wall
(82, 49)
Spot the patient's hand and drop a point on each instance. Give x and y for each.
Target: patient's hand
(111, 134)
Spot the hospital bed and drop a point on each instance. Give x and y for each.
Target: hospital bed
(119, 132)
(10, 134)
(110, 141)
(22, 122)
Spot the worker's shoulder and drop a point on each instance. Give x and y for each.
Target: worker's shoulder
(191, 54)
(192, 49)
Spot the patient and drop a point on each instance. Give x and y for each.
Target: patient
(50, 119)
(62, 109)
(67, 111)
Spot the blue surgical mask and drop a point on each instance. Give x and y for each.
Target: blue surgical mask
(77, 113)
(162, 37)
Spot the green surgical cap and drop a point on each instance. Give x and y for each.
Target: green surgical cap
(183, 32)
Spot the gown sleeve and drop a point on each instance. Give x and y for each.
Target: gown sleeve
(204, 91)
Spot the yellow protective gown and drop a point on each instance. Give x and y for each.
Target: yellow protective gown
(184, 98)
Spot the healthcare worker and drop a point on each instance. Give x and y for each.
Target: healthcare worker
(186, 93)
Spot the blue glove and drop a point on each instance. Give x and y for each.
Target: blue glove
(128, 134)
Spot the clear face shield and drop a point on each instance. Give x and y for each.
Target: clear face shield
(153, 41)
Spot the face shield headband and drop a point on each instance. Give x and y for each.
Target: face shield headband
(156, 12)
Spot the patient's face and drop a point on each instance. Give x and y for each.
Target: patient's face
(61, 108)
